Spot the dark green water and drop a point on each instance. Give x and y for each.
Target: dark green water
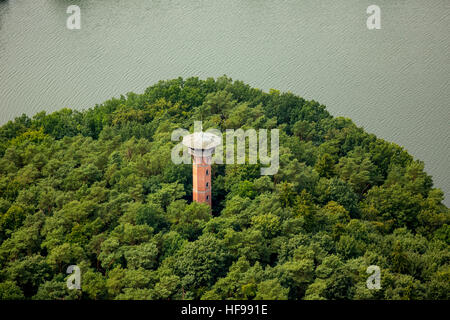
(394, 82)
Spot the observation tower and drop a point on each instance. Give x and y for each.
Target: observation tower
(201, 146)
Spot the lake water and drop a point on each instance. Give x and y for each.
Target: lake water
(394, 82)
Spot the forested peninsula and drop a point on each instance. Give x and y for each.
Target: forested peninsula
(97, 189)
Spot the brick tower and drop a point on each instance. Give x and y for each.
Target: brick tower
(201, 146)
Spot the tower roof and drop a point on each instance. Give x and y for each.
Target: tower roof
(202, 140)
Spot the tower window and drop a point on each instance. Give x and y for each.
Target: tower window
(207, 172)
(207, 184)
(207, 197)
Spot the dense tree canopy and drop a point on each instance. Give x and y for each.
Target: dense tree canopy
(97, 189)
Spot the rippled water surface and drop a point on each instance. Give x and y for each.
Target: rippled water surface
(394, 82)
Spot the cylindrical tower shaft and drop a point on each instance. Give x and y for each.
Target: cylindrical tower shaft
(201, 176)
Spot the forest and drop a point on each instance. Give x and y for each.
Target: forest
(97, 189)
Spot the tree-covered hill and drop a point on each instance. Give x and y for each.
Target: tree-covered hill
(98, 189)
